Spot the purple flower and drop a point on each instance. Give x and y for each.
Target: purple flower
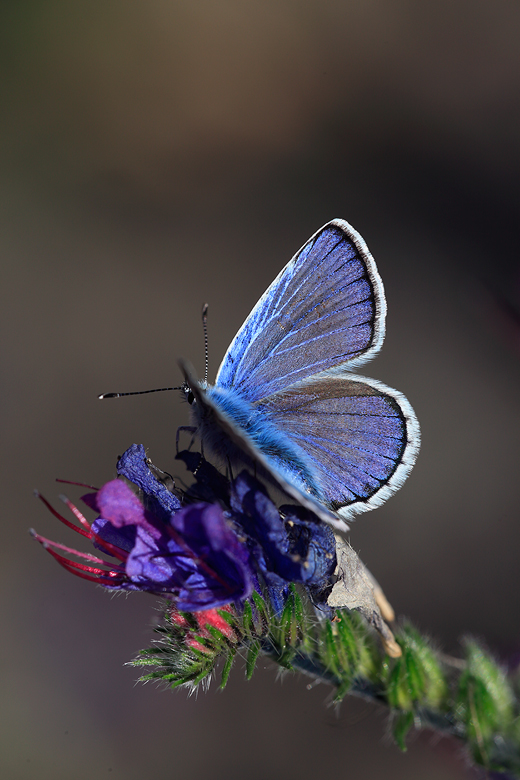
(287, 544)
(194, 555)
(204, 547)
(190, 553)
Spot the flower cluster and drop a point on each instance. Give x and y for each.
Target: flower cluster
(202, 548)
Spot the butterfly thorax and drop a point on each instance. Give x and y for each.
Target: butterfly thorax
(248, 419)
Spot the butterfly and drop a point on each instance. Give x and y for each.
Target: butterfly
(285, 398)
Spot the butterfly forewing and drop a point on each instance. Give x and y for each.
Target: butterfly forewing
(325, 309)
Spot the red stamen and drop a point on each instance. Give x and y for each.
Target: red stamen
(90, 577)
(75, 511)
(87, 556)
(87, 572)
(79, 484)
(110, 548)
(77, 564)
(61, 518)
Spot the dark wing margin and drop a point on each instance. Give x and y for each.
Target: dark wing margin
(324, 311)
(361, 436)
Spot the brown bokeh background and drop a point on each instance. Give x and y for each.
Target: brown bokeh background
(158, 155)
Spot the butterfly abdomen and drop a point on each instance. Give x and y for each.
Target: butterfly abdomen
(284, 454)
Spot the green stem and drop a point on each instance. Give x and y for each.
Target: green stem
(471, 700)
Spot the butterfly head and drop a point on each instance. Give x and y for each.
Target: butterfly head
(189, 395)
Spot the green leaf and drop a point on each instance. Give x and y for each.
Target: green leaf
(431, 686)
(220, 638)
(247, 619)
(227, 669)
(417, 678)
(329, 652)
(229, 617)
(342, 690)
(401, 726)
(263, 613)
(252, 655)
(347, 640)
(484, 702)
(287, 632)
(285, 659)
(483, 667)
(299, 612)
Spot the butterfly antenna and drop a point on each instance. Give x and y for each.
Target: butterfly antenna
(138, 392)
(205, 329)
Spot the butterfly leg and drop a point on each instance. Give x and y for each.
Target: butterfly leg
(230, 470)
(188, 429)
(162, 476)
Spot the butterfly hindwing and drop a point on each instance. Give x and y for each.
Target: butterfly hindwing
(361, 436)
(325, 309)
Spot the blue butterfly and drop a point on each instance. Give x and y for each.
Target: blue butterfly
(285, 398)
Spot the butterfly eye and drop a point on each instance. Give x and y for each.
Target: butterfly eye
(190, 397)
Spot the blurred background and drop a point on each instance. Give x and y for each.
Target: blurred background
(158, 155)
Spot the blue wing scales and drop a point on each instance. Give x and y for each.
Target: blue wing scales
(361, 437)
(325, 309)
(284, 395)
